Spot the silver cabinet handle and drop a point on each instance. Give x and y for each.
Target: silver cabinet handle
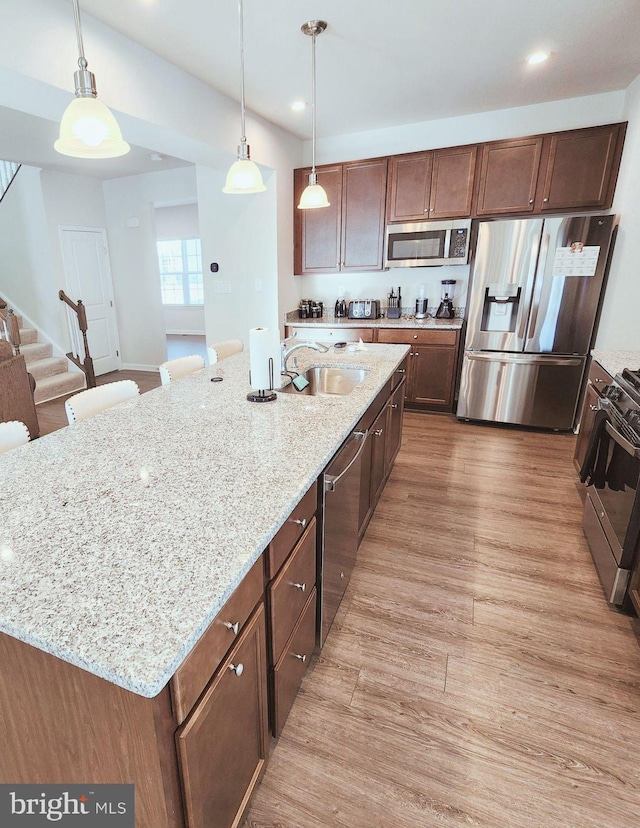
(302, 658)
(401, 371)
(394, 405)
(593, 408)
(379, 432)
(342, 575)
(530, 201)
(233, 627)
(330, 480)
(301, 587)
(546, 200)
(238, 669)
(415, 336)
(598, 380)
(302, 522)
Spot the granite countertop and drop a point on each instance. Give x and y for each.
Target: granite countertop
(614, 361)
(405, 322)
(122, 536)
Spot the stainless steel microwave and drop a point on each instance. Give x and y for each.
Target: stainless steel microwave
(428, 243)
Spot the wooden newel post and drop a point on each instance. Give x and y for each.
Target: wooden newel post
(88, 362)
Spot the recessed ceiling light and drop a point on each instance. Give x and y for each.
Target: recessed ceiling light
(299, 106)
(537, 57)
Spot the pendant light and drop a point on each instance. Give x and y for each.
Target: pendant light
(88, 128)
(244, 176)
(314, 194)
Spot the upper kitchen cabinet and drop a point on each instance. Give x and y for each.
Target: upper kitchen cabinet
(572, 170)
(348, 235)
(431, 185)
(508, 175)
(580, 167)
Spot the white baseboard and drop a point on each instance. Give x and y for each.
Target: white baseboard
(132, 366)
(185, 333)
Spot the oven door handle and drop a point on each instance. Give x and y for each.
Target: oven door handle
(621, 441)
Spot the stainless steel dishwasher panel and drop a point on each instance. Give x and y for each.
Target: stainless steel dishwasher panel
(340, 510)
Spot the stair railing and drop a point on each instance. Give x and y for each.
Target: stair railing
(78, 326)
(9, 327)
(8, 171)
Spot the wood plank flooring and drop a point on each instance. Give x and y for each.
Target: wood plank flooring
(474, 675)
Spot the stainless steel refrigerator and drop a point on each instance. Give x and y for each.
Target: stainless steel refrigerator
(535, 292)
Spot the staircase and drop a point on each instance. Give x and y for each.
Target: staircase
(53, 379)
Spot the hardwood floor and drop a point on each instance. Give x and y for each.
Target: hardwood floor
(474, 674)
(52, 416)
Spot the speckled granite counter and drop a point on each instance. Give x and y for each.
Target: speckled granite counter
(614, 361)
(123, 535)
(405, 322)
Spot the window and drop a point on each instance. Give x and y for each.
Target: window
(181, 272)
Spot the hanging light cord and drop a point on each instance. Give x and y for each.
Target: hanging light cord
(82, 61)
(243, 139)
(313, 102)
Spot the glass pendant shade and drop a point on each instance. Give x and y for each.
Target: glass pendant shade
(313, 195)
(245, 177)
(89, 130)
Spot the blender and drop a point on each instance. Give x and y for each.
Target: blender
(445, 309)
(421, 304)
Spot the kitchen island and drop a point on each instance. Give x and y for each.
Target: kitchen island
(122, 538)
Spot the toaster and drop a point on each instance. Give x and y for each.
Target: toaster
(364, 309)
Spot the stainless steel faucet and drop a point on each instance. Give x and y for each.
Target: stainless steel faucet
(286, 352)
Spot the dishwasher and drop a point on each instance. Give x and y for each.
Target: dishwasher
(340, 510)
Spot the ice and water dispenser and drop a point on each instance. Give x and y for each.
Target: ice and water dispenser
(500, 308)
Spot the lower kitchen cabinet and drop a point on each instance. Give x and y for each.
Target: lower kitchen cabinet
(395, 408)
(597, 381)
(326, 335)
(223, 745)
(432, 365)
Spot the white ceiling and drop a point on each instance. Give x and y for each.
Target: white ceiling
(393, 61)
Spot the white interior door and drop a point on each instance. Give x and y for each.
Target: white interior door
(86, 264)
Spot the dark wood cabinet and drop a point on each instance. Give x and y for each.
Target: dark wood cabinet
(508, 176)
(348, 235)
(431, 365)
(431, 185)
(597, 381)
(378, 446)
(579, 168)
(395, 413)
(223, 745)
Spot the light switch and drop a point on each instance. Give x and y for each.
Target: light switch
(221, 286)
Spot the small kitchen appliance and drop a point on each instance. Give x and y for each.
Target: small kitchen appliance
(421, 304)
(340, 310)
(364, 309)
(428, 243)
(445, 309)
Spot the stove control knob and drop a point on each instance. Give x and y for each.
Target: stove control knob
(613, 393)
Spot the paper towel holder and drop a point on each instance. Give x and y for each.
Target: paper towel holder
(265, 395)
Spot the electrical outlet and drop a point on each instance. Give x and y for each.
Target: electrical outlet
(221, 286)
(258, 285)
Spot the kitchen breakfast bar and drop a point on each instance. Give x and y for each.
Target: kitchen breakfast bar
(121, 539)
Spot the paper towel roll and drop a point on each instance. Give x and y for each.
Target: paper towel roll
(262, 348)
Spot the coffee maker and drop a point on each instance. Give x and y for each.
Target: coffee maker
(445, 309)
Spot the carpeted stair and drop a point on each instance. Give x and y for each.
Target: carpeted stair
(52, 375)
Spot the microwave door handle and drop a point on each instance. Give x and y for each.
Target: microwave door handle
(621, 441)
(447, 243)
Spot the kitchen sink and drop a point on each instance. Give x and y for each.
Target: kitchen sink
(324, 379)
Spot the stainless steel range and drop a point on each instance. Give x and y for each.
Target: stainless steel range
(611, 468)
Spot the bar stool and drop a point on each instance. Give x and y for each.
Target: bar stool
(90, 402)
(173, 369)
(13, 434)
(222, 350)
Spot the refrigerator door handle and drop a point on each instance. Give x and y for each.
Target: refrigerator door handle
(537, 291)
(531, 275)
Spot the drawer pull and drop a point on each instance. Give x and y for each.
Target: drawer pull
(415, 336)
(401, 371)
(302, 658)
(378, 432)
(238, 669)
(597, 379)
(302, 522)
(233, 627)
(531, 201)
(394, 405)
(301, 587)
(546, 200)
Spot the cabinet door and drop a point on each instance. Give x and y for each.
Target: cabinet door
(222, 747)
(378, 438)
(317, 232)
(587, 416)
(581, 169)
(364, 187)
(432, 375)
(394, 427)
(452, 182)
(508, 176)
(409, 186)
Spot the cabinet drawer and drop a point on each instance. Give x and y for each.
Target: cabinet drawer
(598, 377)
(195, 672)
(223, 746)
(289, 592)
(316, 334)
(293, 664)
(413, 336)
(291, 530)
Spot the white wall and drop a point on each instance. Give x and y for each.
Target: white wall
(619, 323)
(134, 260)
(484, 126)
